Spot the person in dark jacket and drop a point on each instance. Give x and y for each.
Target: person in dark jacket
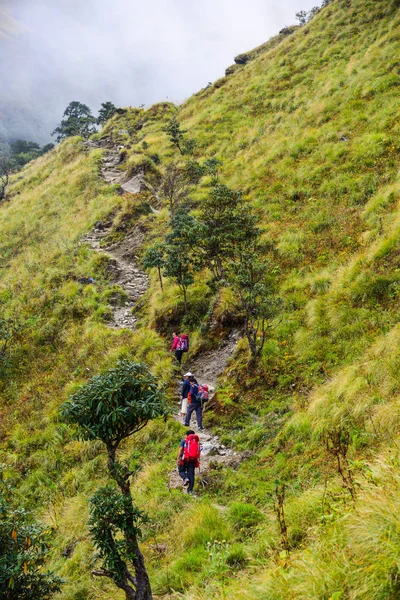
(184, 393)
(195, 405)
(185, 468)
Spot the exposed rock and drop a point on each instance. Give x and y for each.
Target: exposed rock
(69, 550)
(230, 70)
(287, 31)
(242, 59)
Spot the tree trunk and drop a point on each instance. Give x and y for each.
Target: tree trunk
(185, 299)
(160, 277)
(142, 583)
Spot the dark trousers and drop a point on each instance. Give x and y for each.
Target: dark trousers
(186, 471)
(178, 355)
(194, 406)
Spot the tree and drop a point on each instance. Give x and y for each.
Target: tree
(175, 133)
(107, 110)
(23, 147)
(5, 170)
(154, 258)
(23, 550)
(227, 223)
(248, 276)
(180, 262)
(47, 148)
(78, 121)
(174, 187)
(111, 407)
(301, 16)
(211, 166)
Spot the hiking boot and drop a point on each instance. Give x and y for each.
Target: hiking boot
(201, 428)
(186, 482)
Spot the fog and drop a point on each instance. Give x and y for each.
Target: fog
(130, 52)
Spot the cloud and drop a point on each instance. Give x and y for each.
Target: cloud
(127, 51)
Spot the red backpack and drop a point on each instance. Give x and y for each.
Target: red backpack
(191, 452)
(183, 343)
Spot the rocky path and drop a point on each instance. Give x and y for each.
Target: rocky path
(123, 256)
(206, 368)
(126, 273)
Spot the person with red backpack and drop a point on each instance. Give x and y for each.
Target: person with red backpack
(189, 459)
(180, 345)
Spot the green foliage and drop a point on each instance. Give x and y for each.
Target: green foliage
(24, 547)
(78, 120)
(5, 170)
(227, 224)
(248, 276)
(175, 133)
(107, 110)
(111, 516)
(174, 187)
(116, 404)
(245, 517)
(154, 258)
(180, 262)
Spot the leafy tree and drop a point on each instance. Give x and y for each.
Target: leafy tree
(301, 16)
(227, 224)
(78, 120)
(47, 148)
(175, 133)
(248, 277)
(5, 170)
(174, 187)
(24, 546)
(111, 407)
(154, 258)
(211, 166)
(180, 261)
(107, 110)
(23, 147)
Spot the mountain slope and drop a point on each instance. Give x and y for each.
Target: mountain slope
(309, 130)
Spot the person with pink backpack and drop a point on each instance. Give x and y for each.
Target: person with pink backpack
(189, 459)
(180, 345)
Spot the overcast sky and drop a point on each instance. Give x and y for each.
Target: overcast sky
(131, 52)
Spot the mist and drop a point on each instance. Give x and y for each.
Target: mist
(125, 51)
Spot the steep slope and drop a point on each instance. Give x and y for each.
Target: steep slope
(309, 130)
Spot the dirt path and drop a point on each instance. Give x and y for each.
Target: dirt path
(127, 274)
(206, 368)
(123, 256)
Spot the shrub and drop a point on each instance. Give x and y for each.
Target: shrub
(244, 517)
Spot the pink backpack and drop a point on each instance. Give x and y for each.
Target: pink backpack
(183, 343)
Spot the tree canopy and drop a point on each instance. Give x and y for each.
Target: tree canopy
(78, 120)
(115, 404)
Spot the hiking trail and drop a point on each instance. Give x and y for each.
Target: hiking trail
(123, 264)
(206, 368)
(125, 272)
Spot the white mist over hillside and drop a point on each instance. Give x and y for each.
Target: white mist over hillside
(126, 51)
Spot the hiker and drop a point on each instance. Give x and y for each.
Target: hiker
(189, 459)
(195, 404)
(180, 344)
(184, 393)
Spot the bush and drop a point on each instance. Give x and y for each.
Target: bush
(244, 517)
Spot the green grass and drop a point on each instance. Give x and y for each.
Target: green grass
(308, 129)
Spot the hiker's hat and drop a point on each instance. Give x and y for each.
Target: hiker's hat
(188, 374)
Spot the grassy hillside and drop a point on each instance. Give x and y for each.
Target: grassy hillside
(308, 129)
